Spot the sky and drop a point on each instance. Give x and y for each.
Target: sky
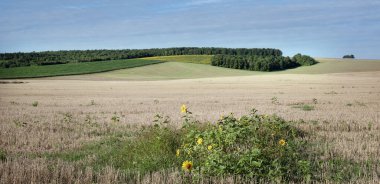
(320, 28)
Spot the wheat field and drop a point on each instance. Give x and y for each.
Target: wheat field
(44, 116)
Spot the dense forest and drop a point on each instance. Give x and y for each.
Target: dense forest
(261, 63)
(8, 60)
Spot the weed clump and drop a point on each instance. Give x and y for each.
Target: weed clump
(35, 104)
(255, 146)
(3, 155)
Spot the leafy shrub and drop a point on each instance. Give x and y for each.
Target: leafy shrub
(258, 146)
(35, 104)
(3, 155)
(304, 60)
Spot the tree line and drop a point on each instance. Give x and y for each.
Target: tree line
(349, 57)
(8, 60)
(261, 63)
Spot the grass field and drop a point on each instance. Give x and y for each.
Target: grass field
(183, 70)
(71, 68)
(172, 70)
(198, 59)
(175, 67)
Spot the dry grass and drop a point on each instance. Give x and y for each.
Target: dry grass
(72, 112)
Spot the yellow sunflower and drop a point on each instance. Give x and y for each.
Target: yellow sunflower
(177, 153)
(187, 165)
(282, 142)
(183, 108)
(209, 147)
(199, 141)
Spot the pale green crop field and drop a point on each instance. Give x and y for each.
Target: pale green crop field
(173, 70)
(177, 67)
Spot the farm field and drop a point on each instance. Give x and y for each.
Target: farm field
(189, 92)
(171, 69)
(71, 68)
(42, 117)
(326, 65)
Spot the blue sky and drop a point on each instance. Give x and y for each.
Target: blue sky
(320, 28)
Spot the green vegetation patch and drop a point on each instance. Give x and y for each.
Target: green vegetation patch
(9, 60)
(198, 59)
(173, 70)
(254, 146)
(3, 155)
(71, 68)
(344, 170)
(304, 107)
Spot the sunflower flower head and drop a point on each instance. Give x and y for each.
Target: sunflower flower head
(199, 141)
(187, 165)
(282, 142)
(177, 153)
(209, 147)
(183, 108)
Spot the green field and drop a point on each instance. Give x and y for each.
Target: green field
(185, 70)
(172, 70)
(198, 59)
(72, 68)
(176, 67)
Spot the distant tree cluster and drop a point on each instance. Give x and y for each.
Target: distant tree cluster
(304, 60)
(254, 63)
(349, 57)
(261, 63)
(8, 60)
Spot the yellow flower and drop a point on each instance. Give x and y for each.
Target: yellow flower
(177, 153)
(187, 165)
(199, 141)
(209, 147)
(183, 108)
(282, 142)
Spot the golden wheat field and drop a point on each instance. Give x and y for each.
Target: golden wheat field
(340, 111)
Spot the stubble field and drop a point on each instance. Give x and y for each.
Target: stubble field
(341, 112)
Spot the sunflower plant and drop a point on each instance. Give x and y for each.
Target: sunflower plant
(258, 146)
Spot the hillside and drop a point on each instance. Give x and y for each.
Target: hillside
(71, 68)
(171, 70)
(186, 70)
(336, 66)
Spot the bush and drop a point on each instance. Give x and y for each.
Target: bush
(35, 104)
(304, 60)
(258, 146)
(349, 57)
(3, 155)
